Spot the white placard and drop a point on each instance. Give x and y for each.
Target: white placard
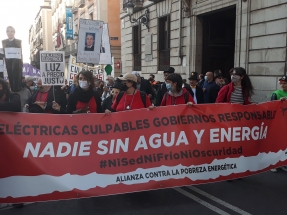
(52, 66)
(1, 65)
(73, 69)
(1, 61)
(105, 50)
(90, 36)
(14, 53)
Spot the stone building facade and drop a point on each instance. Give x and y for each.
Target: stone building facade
(204, 35)
(105, 10)
(40, 34)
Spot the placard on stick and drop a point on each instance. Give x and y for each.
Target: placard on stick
(52, 66)
(89, 43)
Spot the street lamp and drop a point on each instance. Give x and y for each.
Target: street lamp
(143, 19)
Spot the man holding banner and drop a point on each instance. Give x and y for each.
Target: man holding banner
(13, 59)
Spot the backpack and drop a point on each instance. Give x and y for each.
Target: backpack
(186, 97)
(143, 97)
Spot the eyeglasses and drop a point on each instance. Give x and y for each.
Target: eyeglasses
(220, 78)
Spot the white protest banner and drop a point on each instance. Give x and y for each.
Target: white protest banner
(13, 53)
(73, 69)
(90, 36)
(99, 74)
(1, 65)
(1, 60)
(52, 66)
(105, 50)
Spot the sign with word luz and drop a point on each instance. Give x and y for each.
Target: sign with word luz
(52, 66)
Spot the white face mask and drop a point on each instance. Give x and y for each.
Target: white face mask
(235, 78)
(83, 84)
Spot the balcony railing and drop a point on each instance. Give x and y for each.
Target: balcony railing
(138, 3)
(137, 62)
(164, 60)
(80, 3)
(74, 10)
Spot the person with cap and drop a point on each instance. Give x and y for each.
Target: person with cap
(42, 100)
(176, 94)
(108, 102)
(130, 98)
(162, 88)
(213, 91)
(195, 91)
(8, 101)
(107, 87)
(208, 83)
(84, 99)
(144, 85)
(280, 95)
(239, 90)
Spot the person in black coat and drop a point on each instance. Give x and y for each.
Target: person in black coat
(161, 88)
(14, 66)
(8, 101)
(213, 91)
(144, 85)
(195, 90)
(115, 90)
(84, 99)
(42, 100)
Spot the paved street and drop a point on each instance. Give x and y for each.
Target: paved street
(263, 194)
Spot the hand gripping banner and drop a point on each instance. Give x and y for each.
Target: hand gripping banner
(52, 157)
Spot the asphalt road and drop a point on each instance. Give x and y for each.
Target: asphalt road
(263, 194)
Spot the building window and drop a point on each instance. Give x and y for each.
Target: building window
(164, 43)
(137, 47)
(91, 16)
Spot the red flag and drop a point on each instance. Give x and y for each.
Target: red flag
(59, 40)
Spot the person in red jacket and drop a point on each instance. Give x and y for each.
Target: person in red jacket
(130, 98)
(239, 90)
(176, 95)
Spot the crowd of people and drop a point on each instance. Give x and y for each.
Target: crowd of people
(131, 91)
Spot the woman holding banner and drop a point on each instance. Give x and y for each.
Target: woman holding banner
(130, 98)
(84, 99)
(176, 94)
(239, 90)
(280, 95)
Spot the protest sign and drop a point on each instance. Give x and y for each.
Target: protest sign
(99, 74)
(105, 50)
(1, 60)
(54, 157)
(90, 36)
(73, 69)
(52, 67)
(13, 53)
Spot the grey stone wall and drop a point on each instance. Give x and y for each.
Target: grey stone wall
(260, 41)
(267, 45)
